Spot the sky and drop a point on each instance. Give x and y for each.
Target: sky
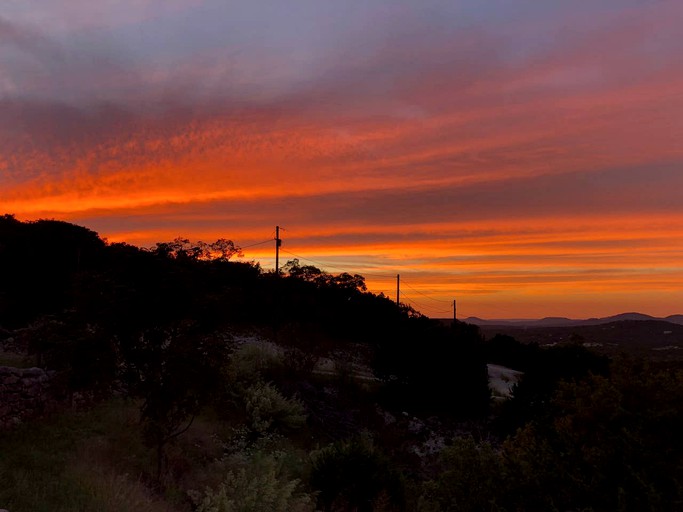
(522, 157)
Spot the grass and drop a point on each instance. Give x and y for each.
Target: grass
(14, 359)
(77, 461)
(95, 460)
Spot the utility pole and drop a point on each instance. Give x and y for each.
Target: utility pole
(454, 316)
(398, 289)
(278, 243)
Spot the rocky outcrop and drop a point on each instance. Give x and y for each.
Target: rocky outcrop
(25, 393)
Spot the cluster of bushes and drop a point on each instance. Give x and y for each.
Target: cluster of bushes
(261, 468)
(543, 371)
(606, 443)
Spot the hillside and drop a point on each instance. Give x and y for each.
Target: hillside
(176, 379)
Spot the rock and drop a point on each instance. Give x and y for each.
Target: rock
(9, 370)
(25, 393)
(33, 372)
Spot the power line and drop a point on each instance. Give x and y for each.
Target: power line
(407, 299)
(334, 267)
(424, 294)
(257, 243)
(420, 304)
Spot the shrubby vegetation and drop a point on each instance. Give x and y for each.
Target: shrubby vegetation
(354, 475)
(259, 484)
(470, 476)
(607, 443)
(241, 390)
(544, 369)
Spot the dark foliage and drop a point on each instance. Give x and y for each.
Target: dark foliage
(38, 260)
(607, 444)
(105, 311)
(176, 371)
(507, 351)
(434, 370)
(544, 369)
(353, 475)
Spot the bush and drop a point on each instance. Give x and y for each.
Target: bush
(267, 410)
(472, 479)
(611, 444)
(258, 486)
(355, 476)
(252, 361)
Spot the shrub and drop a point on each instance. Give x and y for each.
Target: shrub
(258, 486)
(251, 361)
(267, 410)
(354, 476)
(611, 444)
(471, 479)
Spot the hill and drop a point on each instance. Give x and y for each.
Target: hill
(106, 308)
(653, 339)
(568, 322)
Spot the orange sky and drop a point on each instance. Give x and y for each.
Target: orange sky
(527, 162)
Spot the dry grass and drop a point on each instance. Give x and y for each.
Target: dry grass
(95, 460)
(77, 461)
(14, 359)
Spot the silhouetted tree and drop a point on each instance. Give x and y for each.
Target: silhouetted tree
(37, 263)
(434, 369)
(544, 369)
(177, 372)
(223, 249)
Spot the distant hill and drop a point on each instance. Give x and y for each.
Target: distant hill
(655, 339)
(675, 319)
(568, 322)
(627, 316)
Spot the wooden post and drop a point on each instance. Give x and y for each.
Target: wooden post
(278, 243)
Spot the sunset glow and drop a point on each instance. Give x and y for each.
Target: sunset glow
(524, 158)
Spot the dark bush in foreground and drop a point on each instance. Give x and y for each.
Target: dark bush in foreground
(353, 475)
